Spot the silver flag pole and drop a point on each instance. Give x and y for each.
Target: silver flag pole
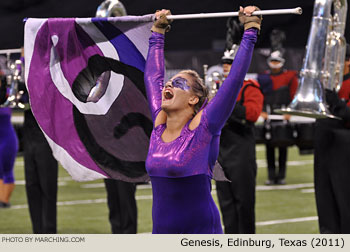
(297, 11)
(9, 51)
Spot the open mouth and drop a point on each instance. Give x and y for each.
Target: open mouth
(168, 95)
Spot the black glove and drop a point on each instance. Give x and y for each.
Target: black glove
(337, 106)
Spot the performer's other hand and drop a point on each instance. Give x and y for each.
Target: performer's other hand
(246, 18)
(286, 117)
(161, 23)
(264, 115)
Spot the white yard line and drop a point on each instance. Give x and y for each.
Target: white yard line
(310, 190)
(82, 202)
(95, 185)
(19, 163)
(283, 187)
(260, 148)
(263, 164)
(274, 222)
(65, 178)
(61, 179)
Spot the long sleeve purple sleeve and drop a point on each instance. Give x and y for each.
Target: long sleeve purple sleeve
(220, 107)
(154, 73)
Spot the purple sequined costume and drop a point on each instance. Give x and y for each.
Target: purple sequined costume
(8, 146)
(181, 170)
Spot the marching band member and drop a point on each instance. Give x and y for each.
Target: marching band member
(278, 86)
(331, 160)
(237, 157)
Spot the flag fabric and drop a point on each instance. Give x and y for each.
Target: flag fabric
(85, 82)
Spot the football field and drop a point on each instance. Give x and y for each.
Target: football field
(82, 206)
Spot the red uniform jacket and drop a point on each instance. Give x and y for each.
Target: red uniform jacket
(278, 89)
(252, 100)
(344, 92)
(285, 78)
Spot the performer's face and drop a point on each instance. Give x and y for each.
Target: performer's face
(177, 93)
(275, 66)
(275, 62)
(226, 69)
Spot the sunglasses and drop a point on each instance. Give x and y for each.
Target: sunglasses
(181, 83)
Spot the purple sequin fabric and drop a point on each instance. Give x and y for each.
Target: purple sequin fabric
(5, 111)
(181, 170)
(8, 146)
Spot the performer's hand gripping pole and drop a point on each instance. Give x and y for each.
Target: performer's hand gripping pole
(297, 11)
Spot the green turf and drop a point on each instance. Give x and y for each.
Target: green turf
(93, 218)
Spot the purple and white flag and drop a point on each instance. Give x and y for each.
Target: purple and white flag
(85, 82)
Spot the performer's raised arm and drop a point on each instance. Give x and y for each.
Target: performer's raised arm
(154, 70)
(221, 106)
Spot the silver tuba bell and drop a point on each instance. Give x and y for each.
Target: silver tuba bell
(13, 77)
(323, 61)
(213, 78)
(111, 8)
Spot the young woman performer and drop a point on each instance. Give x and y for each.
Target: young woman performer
(185, 139)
